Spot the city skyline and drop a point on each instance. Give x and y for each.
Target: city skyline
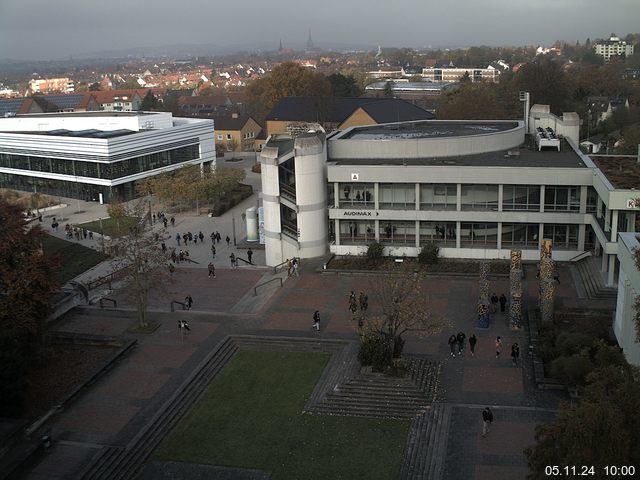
(36, 31)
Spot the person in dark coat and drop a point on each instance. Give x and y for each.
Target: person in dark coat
(249, 255)
(487, 420)
(461, 337)
(472, 343)
(453, 341)
(503, 302)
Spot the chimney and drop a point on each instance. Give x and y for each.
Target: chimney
(234, 115)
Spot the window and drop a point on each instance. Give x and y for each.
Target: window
(479, 235)
(356, 195)
(521, 197)
(398, 233)
(592, 200)
(442, 233)
(438, 196)
(361, 232)
(480, 197)
(220, 137)
(399, 196)
(524, 235)
(566, 199)
(565, 237)
(228, 136)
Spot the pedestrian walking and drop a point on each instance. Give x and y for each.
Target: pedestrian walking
(503, 302)
(213, 237)
(90, 234)
(361, 301)
(453, 341)
(178, 238)
(515, 353)
(232, 257)
(289, 268)
(163, 246)
(498, 346)
(218, 237)
(228, 240)
(164, 222)
(461, 337)
(487, 420)
(295, 264)
(212, 270)
(494, 303)
(365, 303)
(472, 344)
(201, 236)
(188, 302)
(249, 255)
(85, 234)
(173, 222)
(213, 251)
(316, 320)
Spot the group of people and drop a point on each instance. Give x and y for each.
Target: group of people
(77, 232)
(160, 216)
(362, 302)
(495, 300)
(457, 342)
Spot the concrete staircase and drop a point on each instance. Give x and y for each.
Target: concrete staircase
(427, 445)
(378, 395)
(592, 279)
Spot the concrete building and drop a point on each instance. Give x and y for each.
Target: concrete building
(454, 74)
(98, 155)
(476, 188)
(613, 47)
(51, 85)
(624, 325)
(236, 133)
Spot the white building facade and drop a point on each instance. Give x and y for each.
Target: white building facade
(624, 325)
(98, 155)
(613, 47)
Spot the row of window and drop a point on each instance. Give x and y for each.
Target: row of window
(107, 171)
(484, 235)
(473, 197)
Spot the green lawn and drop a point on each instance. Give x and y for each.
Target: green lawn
(109, 226)
(251, 417)
(74, 258)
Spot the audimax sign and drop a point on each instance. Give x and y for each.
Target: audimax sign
(360, 213)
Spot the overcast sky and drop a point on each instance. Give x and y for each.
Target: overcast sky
(54, 29)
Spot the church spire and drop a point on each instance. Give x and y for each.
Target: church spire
(310, 46)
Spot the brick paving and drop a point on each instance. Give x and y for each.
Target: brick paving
(115, 409)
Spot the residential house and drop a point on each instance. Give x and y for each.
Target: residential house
(601, 108)
(119, 100)
(337, 113)
(80, 102)
(51, 85)
(613, 47)
(236, 133)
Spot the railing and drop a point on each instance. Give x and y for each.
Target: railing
(106, 279)
(243, 260)
(171, 305)
(275, 269)
(255, 289)
(580, 256)
(105, 299)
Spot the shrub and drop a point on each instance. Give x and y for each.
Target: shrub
(573, 369)
(375, 251)
(568, 343)
(429, 254)
(374, 351)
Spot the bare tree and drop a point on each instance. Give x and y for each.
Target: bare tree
(141, 264)
(405, 308)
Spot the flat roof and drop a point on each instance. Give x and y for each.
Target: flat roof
(523, 156)
(622, 172)
(97, 113)
(89, 133)
(428, 129)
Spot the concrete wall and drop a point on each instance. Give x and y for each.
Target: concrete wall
(428, 147)
(628, 288)
(568, 125)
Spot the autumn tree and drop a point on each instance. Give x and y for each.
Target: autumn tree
(404, 308)
(116, 211)
(287, 79)
(27, 286)
(344, 85)
(141, 264)
(477, 101)
(547, 83)
(604, 429)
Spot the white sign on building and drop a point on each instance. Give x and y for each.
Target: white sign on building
(354, 177)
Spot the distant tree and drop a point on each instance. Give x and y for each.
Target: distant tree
(141, 263)
(117, 211)
(287, 79)
(95, 87)
(129, 84)
(476, 101)
(149, 102)
(388, 90)
(547, 83)
(630, 140)
(343, 85)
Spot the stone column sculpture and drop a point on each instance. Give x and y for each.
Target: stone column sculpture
(483, 297)
(547, 283)
(515, 290)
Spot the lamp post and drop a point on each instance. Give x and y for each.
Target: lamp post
(233, 227)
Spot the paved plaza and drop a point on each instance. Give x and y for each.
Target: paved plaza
(120, 403)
